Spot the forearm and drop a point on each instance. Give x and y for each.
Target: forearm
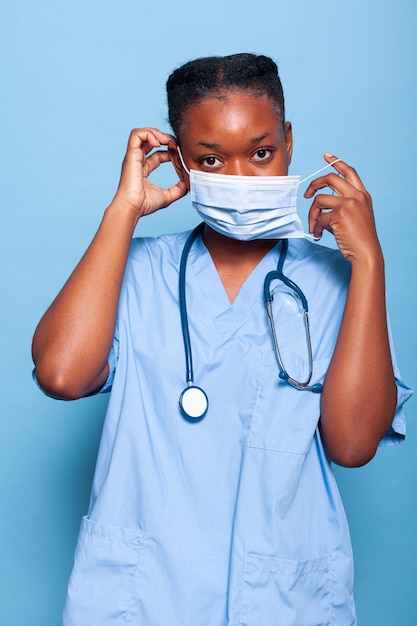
(359, 393)
(73, 339)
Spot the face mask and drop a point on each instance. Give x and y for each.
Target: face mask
(248, 207)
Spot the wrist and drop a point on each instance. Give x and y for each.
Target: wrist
(369, 259)
(123, 213)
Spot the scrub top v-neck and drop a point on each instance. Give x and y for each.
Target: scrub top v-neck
(226, 317)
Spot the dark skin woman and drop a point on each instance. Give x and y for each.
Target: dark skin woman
(235, 518)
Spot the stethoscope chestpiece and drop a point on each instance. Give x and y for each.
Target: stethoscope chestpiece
(193, 403)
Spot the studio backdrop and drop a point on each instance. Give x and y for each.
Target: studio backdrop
(76, 77)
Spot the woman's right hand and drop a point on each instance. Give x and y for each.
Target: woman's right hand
(136, 192)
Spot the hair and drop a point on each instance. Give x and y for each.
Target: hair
(209, 76)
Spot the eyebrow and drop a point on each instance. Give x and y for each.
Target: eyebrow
(217, 146)
(256, 140)
(209, 146)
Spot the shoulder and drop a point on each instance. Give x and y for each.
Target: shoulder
(151, 271)
(166, 248)
(310, 257)
(322, 273)
(154, 262)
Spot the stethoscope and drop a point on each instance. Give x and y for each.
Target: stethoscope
(193, 400)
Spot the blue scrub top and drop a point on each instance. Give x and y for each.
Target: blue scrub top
(235, 519)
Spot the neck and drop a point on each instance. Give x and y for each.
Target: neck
(234, 259)
(233, 250)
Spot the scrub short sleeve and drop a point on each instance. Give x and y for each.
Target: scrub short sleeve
(112, 361)
(397, 432)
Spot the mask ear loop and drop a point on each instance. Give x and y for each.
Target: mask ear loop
(182, 160)
(312, 176)
(318, 171)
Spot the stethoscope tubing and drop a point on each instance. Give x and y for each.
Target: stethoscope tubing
(283, 374)
(183, 303)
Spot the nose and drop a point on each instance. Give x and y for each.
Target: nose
(239, 167)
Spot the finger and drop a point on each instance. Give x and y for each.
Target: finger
(333, 181)
(173, 193)
(354, 210)
(322, 204)
(348, 172)
(147, 139)
(155, 159)
(323, 222)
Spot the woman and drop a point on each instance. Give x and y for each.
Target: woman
(227, 513)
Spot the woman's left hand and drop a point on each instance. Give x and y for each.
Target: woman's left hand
(348, 214)
(356, 409)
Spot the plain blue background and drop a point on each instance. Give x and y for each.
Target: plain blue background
(77, 76)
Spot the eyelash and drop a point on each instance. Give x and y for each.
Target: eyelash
(268, 152)
(204, 160)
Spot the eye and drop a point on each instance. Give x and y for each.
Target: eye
(262, 154)
(210, 161)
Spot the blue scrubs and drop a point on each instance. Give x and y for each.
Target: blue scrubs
(235, 519)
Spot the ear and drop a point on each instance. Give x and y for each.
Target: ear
(175, 159)
(288, 140)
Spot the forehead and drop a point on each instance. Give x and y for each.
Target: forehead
(230, 112)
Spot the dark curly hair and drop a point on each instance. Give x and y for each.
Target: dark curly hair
(204, 77)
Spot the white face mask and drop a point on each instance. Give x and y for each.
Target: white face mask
(248, 207)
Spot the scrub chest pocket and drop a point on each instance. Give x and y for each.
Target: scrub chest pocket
(285, 419)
